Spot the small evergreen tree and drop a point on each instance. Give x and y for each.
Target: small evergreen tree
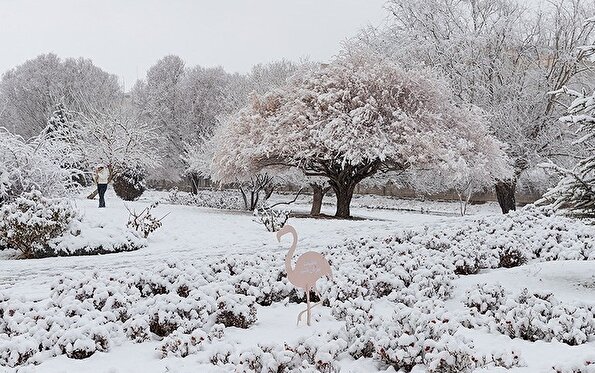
(576, 190)
(59, 122)
(64, 132)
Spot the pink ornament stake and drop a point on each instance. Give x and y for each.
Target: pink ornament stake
(309, 267)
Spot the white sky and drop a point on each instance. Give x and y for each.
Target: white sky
(125, 37)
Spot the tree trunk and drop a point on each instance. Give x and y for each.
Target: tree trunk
(505, 193)
(343, 178)
(193, 183)
(254, 197)
(245, 198)
(344, 194)
(318, 193)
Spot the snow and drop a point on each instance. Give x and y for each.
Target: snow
(193, 239)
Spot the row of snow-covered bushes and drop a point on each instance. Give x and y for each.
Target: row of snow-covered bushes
(219, 199)
(537, 316)
(88, 313)
(188, 306)
(35, 227)
(506, 240)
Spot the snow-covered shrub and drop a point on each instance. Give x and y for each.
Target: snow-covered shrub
(236, 310)
(359, 317)
(138, 329)
(423, 333)
(586, 365)
(485, 298)
(267, 288)
(92, 238)
(507, 359)
(533, 316)
(86, 336)
(410, 333)
(273, 220)
(318, 353)
(144, 222)
(219, 199)
(65, 327)
(35, 164)
(182, 345)
(450, 355)
(17, 351)
(169, 312)
(175, 197)
(28, 223)
(375, 268)
(129, 184)
(512, 257)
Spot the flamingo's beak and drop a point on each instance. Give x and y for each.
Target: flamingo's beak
(279, 235)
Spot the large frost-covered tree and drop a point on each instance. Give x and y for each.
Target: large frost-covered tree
(29, 92)
(500, 55)
(346, 121)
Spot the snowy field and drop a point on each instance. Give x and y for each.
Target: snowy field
(195, 239)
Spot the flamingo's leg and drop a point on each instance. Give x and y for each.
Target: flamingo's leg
(319, 301)
(308, 306)
(306, 310)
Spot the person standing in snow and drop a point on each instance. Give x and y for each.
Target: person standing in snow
(102, 177)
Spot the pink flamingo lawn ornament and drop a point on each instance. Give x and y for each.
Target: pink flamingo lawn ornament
(309, 267)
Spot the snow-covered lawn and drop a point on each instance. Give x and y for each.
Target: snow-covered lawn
(193, 240)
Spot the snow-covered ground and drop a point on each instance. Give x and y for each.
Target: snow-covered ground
(198, 236)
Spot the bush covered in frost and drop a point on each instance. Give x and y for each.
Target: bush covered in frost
(586, 365)
(505, 240)
(272, 219)
(531, 316)
(485, 298)
(184, 344)
(40, 227)
(423, 333)
(218, 199)
(318, 353)
(373, 269)
(29, 222)
(129, 184)
(236, 310)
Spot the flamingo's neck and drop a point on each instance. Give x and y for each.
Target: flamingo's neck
(290, 253)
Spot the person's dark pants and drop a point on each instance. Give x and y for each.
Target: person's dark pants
(101, 188)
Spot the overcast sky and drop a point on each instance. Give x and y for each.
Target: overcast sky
(125, 37)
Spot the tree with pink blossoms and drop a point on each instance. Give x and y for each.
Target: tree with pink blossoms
(346, 121)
